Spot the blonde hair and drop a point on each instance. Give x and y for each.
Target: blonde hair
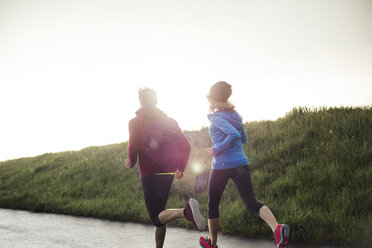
(221, 106)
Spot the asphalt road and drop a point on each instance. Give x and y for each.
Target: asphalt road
(21, 229)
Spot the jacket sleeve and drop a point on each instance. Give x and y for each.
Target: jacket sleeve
(134, 143)
(184, 148)
(232, 135)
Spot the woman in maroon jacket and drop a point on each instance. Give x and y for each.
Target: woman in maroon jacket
(162, 151)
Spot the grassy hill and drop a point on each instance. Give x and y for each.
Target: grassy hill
(313, 168)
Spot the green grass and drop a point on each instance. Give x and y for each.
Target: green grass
(313, 168)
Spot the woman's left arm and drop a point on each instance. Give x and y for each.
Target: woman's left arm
(232, 135)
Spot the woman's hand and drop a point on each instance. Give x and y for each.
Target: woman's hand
(178, 174)
(127, 164)
(210, 152)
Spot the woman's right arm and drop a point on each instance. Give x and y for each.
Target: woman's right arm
(133, 143)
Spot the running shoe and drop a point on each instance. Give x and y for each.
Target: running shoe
(281, 235)
(193, 214)
(206, 242)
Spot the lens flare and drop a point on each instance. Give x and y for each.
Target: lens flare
(196, 168)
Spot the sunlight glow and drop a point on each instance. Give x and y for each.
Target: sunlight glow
(196, 168)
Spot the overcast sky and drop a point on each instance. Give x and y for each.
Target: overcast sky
(70, 70)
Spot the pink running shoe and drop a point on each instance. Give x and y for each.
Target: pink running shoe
(193, 214)
(281, 235)
(206, 242)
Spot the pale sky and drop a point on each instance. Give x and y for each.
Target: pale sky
(70, 70)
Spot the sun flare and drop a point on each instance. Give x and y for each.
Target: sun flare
(196, 168)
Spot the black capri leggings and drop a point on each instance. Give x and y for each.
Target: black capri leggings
(156, 190)
(242, 179)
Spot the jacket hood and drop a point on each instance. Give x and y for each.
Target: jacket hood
(232, 117)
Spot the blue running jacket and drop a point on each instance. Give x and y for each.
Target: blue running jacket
(228, 134)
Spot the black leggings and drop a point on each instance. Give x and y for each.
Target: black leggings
(156, 190)
(242, 179)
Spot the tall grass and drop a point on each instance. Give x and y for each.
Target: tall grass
(313, 168)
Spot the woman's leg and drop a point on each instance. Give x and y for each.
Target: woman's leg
(242, 180)
(266, 214)
(216, 185)
(160, 236)
(156, 192)
(213, 230)
(169, 215)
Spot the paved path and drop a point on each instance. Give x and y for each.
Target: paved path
(21, 229)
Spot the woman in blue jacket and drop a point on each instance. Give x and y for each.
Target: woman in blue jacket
(229, 161)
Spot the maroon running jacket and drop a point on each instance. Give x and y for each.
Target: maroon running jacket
(157, 142)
